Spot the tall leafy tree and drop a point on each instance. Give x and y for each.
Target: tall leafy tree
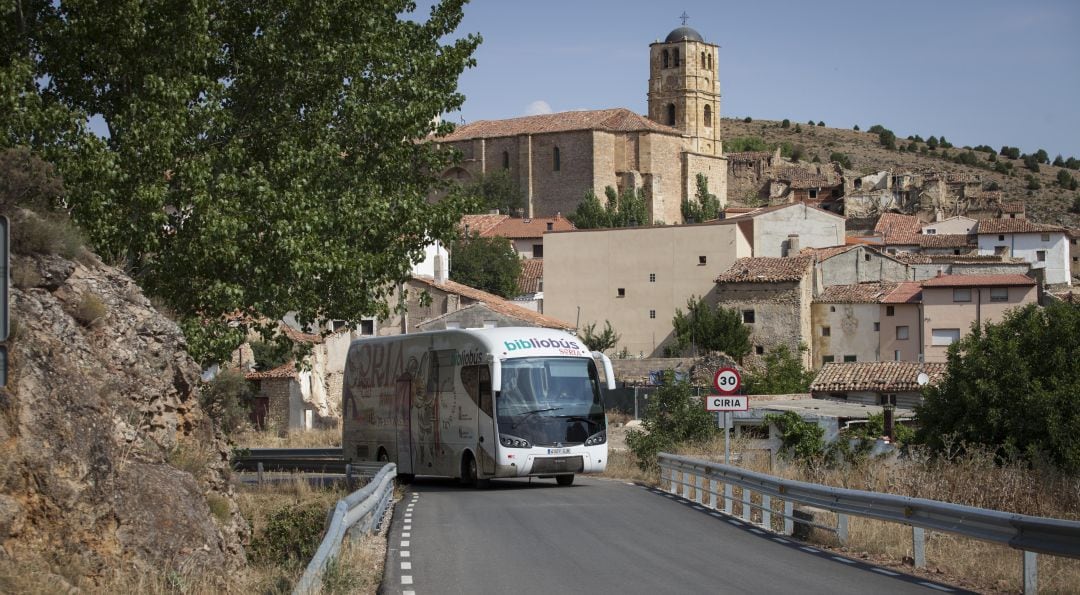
(260, 157)
(706, 205)
(707, 328)
(1012, 386)
(628, 208)
(490, 264)
(600, 341)
(496, 190)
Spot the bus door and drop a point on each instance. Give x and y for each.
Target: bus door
(403, 423)
(485, 421)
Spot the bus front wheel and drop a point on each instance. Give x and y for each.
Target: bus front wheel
(471, 473)
(565, 480)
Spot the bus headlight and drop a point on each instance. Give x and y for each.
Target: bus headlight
(513, 441)
(598, 438)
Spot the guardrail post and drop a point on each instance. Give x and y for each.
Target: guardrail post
(789, 522)
(1031, 572)
(686, 479)
(841, 527)
(259, 469)
(746, 510)
(766, 511)
(700, 489)
(348, 476)
(918, 546)
(727, 498)
(674, 489)
(713, 485)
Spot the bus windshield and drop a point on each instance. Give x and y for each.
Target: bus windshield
(550, 400)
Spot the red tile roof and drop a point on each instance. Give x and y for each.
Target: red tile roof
(611, 120)
(858, 293)
(532, 272)
(1014, 226)
(516, 228)
(890, 224)
(748, 156)
(496, 303)
(939, 240)
(905, 292)
(820, 254)
(480, 224)
(875, 376)
(287, 370)
(299, 337)
(764, 269)
(978, 280)
(1012, 206)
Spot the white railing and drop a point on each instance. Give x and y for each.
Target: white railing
(1030, 534)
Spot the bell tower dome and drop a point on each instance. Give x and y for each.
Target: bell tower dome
(684, 87)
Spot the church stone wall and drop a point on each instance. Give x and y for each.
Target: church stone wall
(560, 191)
(715, 170)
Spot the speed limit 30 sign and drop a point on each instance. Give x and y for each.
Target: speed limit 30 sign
(727, 381)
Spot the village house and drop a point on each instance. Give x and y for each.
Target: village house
(900, 336)
(525, 234)
(1074, 252)
(851, 264)
(1044, 246)
(846, 322)
(951, 304)
(556, 158)
(783, 230)
(876, 383)
(958, 225)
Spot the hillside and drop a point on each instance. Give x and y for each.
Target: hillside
(1049, 204)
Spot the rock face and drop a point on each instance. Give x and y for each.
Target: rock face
(106, 459)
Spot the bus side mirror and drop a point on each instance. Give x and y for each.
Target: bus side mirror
(496, 374)
(609, 373)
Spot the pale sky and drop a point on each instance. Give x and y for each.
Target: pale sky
(989, 72)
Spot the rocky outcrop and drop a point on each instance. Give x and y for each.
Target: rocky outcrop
(106, 459)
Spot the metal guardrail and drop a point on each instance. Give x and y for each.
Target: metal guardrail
(1029, 534)
(360, 511)
(292, 453)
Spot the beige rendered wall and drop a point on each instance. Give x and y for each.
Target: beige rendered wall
(854, 266)
(851, 332)
(815, 228)
(941, 312)
(903, 315)
(586, 268)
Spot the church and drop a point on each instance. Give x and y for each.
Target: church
(557, 158)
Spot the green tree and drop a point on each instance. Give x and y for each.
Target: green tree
(841, 158)
(626, 209)
(748, 119)
(887, 138)
(742, 144)
(496, 190)
(1064, 179)
(821, 123)
(490, 264)
(783, 373)
(673, 416)
(706, 206)
(260, 158)
(1031, 162)
(1075, 208)
(1010, 152)
(589, 214)
(786, 123)
(1059, 161)
(1042, 156)
(227, 400)
(800, 440)
(932, 143)
(856, 128)
(1012, 386)
(705, 328)
(602, 341)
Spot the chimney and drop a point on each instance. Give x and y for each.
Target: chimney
(792, 244)
(440, 269)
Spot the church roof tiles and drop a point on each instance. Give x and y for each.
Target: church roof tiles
(611, 120)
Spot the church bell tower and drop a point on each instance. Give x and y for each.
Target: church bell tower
(684, 87)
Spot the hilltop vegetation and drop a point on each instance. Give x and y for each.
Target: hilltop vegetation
(1050, 192)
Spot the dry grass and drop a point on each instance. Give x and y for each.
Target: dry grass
(358, 569)
(324, 438)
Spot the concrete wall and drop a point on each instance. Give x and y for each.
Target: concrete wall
(1026, 246)
(851, 332)
(952, 225)
(922, 272)
(941, 312)
(858, 265)
(478, 316)
(584, 270)
(903, 315)
(815, 228)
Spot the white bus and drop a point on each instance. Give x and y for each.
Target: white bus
(477, 404)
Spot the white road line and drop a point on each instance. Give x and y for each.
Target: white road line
(406, 535)
(810, 549)
(407, 527)
(405, 543)
(842, 559)
(716, 514)
(885, 572)
(405, 553)
(406, 565)
(758, 531)
(780, 540)
(699, 508)
(938, 587)
(406, 579)
(408, 593)
(734, 522)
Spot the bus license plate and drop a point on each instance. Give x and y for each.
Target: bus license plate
(558, 451)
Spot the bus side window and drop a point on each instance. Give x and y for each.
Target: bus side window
(485, 389)
(471, 381)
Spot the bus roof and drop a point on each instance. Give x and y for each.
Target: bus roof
(503, 342)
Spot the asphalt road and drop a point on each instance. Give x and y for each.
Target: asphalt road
(601, 536)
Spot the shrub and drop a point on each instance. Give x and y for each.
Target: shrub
(24, 275)
(798, 128)
(932, 142)
(799, 440)
(782, 373)
(90, 310)
(810, 122)
(52, 233)
(1072, 163)
(1031, 162)
(1065, 180)
(887, 138)
(821, 123)
(1075, 208)
(1059, 162)
(707, 328)
(797, 153)
(602, 341)
(876, 129)
(673, 416)
(786, 123)
(748, 119)
(856, 128)
(219, 507)
(992, 185)
(292, 535)
(1033, 183)
(227, 400)
(1010, 152)
(841, 158)
(742, 144)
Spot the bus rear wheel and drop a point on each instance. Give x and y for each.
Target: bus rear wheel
(565, 480)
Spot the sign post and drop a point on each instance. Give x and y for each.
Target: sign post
(728, 382)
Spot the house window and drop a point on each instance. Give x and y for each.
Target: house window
(506, 160)
(666, 59)
(701, 260)
(956, 252)
(671, 114)
(866, 257)
(338, 325)
(832, 308)
(710, 61)
(930, 231)
(1045, 237)
(901, 333)
(813, 192)
(896, 355)
(886, 399)
(538, 250)
(877, 326)
(961, 294)
(999, 294)
(550, 226)
(367, 327)
(748, 316)
(652, 313)
(708, 115)
(652, 277)
(826, 331)
(850, 358)
(703, 59)
(622, 292)
(758, 349)
(675, 57)
(828, 359)
(1001, 238)
(1000, 250)
(890, 310)
(1040, 255)
(556, 162)
(944, 336)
